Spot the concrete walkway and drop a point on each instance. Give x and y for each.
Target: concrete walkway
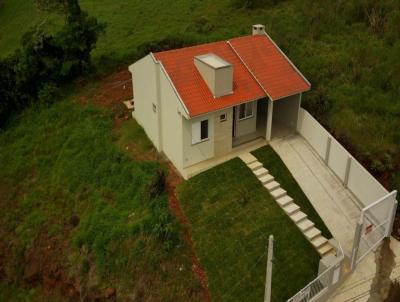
(338, 208)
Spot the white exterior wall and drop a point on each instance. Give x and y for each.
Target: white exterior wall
(195, 153)
(144, 77)
(171, 122)
(338, 157)
(286, 111)
(357, 179)
(313, 132)
(248, 125)
(223, 132)
(364, 185)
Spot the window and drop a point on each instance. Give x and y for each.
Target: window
(222, 117)
(245, 110)
(199, 131)
(204, 130)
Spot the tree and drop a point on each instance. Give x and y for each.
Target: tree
(47, 60)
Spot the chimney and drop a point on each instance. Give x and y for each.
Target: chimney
(216, 72)
(258, 29)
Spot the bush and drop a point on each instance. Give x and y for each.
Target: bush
(170, 42)
(377, 166)
(48, 94)
(47, 61)
(157, 186)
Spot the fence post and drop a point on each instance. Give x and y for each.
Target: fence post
(356, 243)
(268, 279)
(392, 216)
(346, 175)
(328, 149)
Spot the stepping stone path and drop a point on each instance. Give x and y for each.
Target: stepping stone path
(306, 226)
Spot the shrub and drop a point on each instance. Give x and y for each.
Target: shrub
(48, 94)
(47, 60)
(157, 186)
(377, 166)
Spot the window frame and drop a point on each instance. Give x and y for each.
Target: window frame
(245, 111)
(197, 131)
(223, 117)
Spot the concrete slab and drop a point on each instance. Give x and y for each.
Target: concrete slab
(337, 206)
(242, 151)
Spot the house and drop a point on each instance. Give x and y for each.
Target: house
(202, 102)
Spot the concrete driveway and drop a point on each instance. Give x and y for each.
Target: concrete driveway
(336, 205)
(338, 208)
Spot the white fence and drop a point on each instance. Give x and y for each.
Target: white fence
(320, 285)
(375, 224)
(378, 204)
(353, 175)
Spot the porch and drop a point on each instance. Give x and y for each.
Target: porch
(265, 119)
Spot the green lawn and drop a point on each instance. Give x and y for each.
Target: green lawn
(271, 161)
(232, 216)
(70, 197)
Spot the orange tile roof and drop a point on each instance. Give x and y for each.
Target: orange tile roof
(277, 77)
(191, 87)
(272, 69)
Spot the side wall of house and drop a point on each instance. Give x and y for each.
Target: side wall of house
(144, 77)
(248, 125)
(171, 122)
(195, 153)
(286, 111)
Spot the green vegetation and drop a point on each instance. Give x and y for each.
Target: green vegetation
(277, 168)
(47, 61)
(64, 182)
(348, 50)
(232, 216)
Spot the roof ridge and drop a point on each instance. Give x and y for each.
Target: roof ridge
(248, 69)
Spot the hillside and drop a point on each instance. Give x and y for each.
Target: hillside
(72, 172)
(348, 51)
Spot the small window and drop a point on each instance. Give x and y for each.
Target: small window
(204, 130)
(154, 108)
(245, 111)
(199, 131)
(222, 117)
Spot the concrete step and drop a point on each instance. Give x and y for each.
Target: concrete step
(291, 209)
(248, 158)
(278, 193)
(298, 217)
(319, 241)
(326, 249)
(266, 179)
(284, 201)
(255, 165)
(305, 225)
(272, 185)
(260, 172)
(312, 233)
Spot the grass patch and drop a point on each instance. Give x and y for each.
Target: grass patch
(132, 138)
(271, 161)
(63, 180)
(232, 216)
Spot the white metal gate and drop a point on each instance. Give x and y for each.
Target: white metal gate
(375, 224)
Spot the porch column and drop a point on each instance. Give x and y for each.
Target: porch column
(269, 120)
